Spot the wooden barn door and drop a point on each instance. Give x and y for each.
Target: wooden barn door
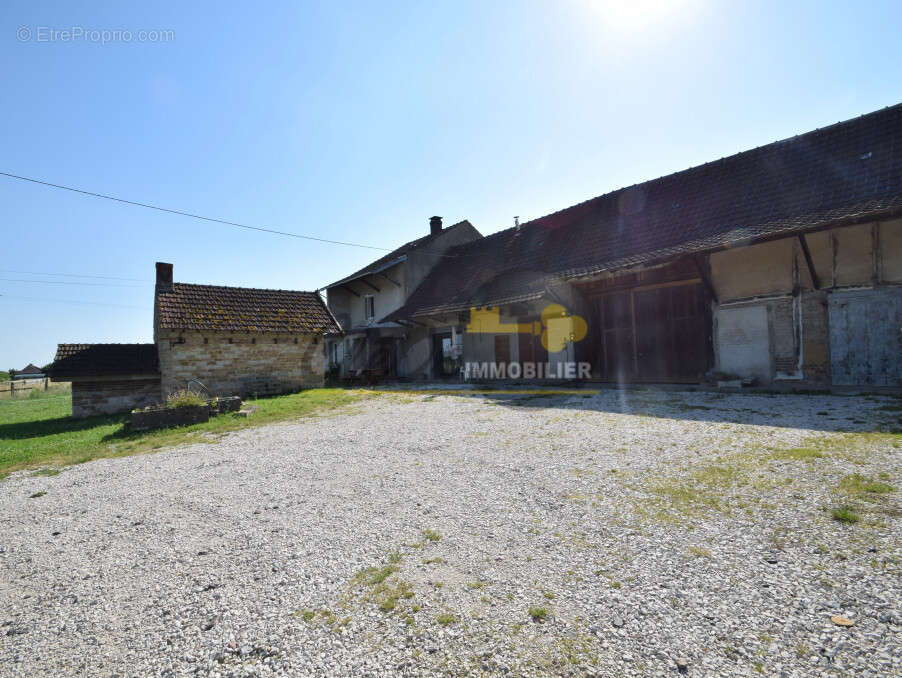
(654, 334)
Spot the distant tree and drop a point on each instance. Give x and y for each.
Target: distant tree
(11, 372)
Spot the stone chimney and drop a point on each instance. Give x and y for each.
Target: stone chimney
(164, 277)
(435, 225)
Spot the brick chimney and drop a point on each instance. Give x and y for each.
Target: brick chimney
(435, 225)
(164, 276)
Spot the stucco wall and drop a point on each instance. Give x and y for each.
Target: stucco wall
(241, 364)
(92, 398)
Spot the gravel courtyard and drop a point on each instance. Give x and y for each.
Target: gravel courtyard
(610, 534)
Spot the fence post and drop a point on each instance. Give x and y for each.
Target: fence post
(46, 382)
(12, 389)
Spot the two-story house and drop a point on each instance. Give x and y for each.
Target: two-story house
(361, 300)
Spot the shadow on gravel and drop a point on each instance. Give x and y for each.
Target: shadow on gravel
(817, 412)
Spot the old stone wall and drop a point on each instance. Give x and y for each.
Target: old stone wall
(239, 363)
(91, 398)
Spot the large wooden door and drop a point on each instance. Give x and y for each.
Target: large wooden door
(657, 334)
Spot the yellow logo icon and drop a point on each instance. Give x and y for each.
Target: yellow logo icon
(556, 328)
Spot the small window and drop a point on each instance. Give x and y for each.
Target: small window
(369, 303)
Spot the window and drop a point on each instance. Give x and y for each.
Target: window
(369, 306)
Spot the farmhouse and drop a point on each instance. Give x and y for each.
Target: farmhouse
(778, 264)
(389, 349)
(219, 340)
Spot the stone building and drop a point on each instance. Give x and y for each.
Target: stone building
(236, 340)
(108, 378)
(781, 264)
(219, 340)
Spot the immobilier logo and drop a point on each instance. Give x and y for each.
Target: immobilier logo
(555, 329)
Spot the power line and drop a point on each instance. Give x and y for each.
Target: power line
(263, 229)
(74, 275)
(192, 215)
(69, 282)
(75, 301)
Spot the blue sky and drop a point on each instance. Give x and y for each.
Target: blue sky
(357, 121)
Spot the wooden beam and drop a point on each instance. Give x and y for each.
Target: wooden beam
(703, 274)
(815, 280)
(369, 284)
(391, 280)
(345, 287)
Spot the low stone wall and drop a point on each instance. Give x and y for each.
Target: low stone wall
(163, 417)
(98, 397)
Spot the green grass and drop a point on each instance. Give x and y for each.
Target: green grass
(538, 613)
(445, 619)
(845, 515)
(797, 454)
(863, 487)
(4, 376)
(39, 431)
(432, 535)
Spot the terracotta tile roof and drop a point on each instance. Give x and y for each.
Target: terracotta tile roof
(242, 309)
(396, 255)
(101, 360)
(849, 171)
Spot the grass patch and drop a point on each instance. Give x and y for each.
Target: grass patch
(445, 619)
(797, 454)
(46, 472)
(434, 561)
(432, 535)
(36, 495)
(538, 613)
(185, 398)
(39, 431)
(699, 552)
(860, 486)
(845, 515)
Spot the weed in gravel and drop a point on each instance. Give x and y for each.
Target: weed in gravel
(538, 613)
(47, 472)
(36, 495)
(860, 486)
(699, 552)
(845, 515)
(476, 585)
(797, 454)
(445, 619)
(432, 535)
(438, 560)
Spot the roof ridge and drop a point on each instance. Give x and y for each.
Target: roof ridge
(249, 289)
(685, 170)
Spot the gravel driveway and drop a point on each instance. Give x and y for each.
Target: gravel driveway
(634, 533)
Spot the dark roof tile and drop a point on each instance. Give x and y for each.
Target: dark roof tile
(101, 360)
(242, 309)
(848, 171)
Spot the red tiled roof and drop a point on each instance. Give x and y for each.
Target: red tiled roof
(101, 360)
(849, 171)
(242, 309)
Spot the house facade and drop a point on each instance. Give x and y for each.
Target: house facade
(779, 264)
(388, 349)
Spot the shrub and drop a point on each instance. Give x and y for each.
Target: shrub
(185, 398)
